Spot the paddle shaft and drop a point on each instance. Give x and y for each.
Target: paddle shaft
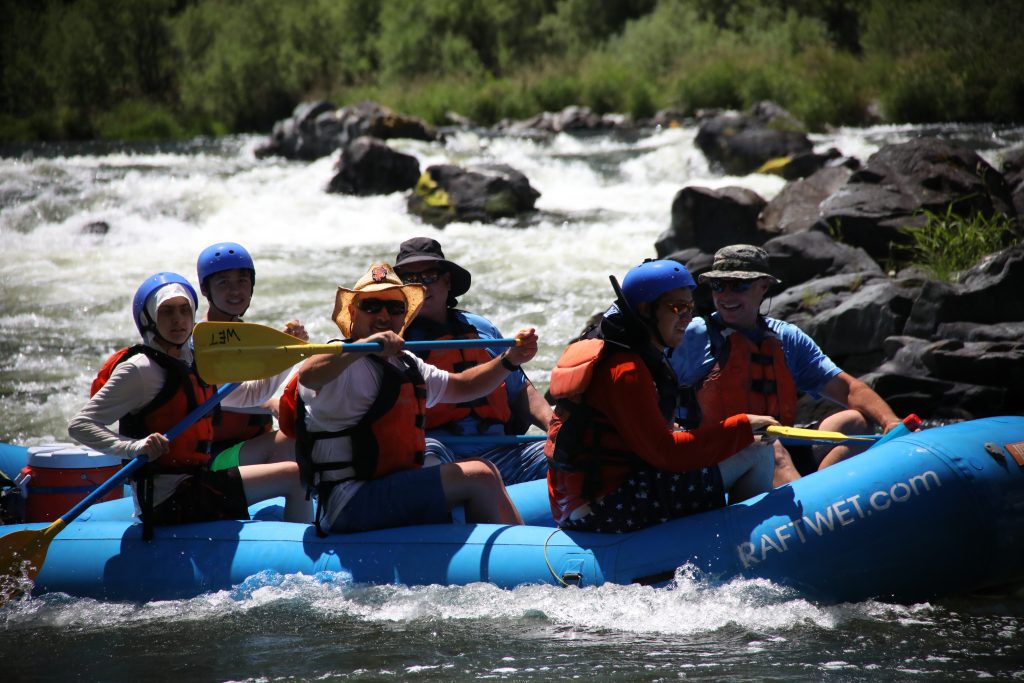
(517, 439)
(174, 432)
(369, 347)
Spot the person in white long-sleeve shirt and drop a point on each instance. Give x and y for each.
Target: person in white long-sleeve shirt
(148, 389)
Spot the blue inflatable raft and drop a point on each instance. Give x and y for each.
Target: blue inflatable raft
(928, 514)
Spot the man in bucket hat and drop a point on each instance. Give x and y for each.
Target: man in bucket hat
(739, 361)
(510, 409)
(361, 418)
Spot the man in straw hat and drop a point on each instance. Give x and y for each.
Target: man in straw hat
(363, 417)
(510, 409)
(739, 361)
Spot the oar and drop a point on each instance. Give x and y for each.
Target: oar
(798, 434)
(30, 545)
(234, 352)
(785, 434)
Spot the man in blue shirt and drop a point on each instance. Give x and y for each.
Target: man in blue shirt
(508, 410)
(739, 361)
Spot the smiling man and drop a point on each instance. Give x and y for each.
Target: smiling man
(510, 409)
(361, 429)
(739, 361)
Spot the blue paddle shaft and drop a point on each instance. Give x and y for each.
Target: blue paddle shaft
(172, 434)
(429, 345)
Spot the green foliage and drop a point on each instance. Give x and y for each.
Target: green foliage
(138, 120)
(81, 68)
(950, 243)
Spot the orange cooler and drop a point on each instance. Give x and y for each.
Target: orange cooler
(62, 475)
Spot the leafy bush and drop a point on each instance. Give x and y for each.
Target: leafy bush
(950, 243)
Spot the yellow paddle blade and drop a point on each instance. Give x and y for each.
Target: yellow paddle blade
(22, 554)
(236, 352)
(813, 434)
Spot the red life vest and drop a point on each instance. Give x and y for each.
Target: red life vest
(231, 427)
(490, 409)
(581, 443)
(388, 438)
(181, 392)
(747, 378)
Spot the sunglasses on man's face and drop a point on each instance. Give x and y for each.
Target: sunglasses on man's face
(425, 277)
(738, 286)
(373, 306)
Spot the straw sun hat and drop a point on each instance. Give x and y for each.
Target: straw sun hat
(380, 277)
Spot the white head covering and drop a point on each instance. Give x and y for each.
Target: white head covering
(165, 293)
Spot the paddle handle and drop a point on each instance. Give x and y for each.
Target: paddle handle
(174, 432)
(908, 424)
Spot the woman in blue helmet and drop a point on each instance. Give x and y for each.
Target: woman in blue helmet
(227, 277)
(150, 387)
(616, 461)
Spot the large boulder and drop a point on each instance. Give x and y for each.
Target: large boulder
(484, 193)
(1013, 171)
(799, 257)
(880, 202)
(989, 293)
(317, 129)
(740, 143)
(710, 219)
(368, 166)
(796, 207)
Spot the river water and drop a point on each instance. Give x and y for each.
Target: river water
(65, 297)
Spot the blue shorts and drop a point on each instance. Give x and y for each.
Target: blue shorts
(517, 463)
(400, 499)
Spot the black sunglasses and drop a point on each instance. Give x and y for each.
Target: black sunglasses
(738, 286)
(373, 306)
(426, 277)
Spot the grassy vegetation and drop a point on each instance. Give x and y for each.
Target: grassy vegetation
(171, 68)
(949, 243)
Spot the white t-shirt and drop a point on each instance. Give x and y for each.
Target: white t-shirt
(340, 404)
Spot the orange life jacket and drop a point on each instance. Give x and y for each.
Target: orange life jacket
(388, 438)
(181, 392)
(490, 409)
(746, 378)
(581, 441)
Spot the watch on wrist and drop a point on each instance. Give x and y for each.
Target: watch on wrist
(507, 364)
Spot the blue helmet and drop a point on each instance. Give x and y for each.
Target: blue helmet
(146, 289)
(223, 256)
(651, 279)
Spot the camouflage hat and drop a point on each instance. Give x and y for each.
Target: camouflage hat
(739, 262)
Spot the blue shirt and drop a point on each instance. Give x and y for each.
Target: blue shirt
(811, 368)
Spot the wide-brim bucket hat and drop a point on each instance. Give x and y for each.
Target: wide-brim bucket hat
(739, 262)
(427, 250)
(379, 278)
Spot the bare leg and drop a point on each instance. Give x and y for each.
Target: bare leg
(477, 484)
(278, 479)
(748, 472)
(267, 448)
(785, 470)
(847, 422)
